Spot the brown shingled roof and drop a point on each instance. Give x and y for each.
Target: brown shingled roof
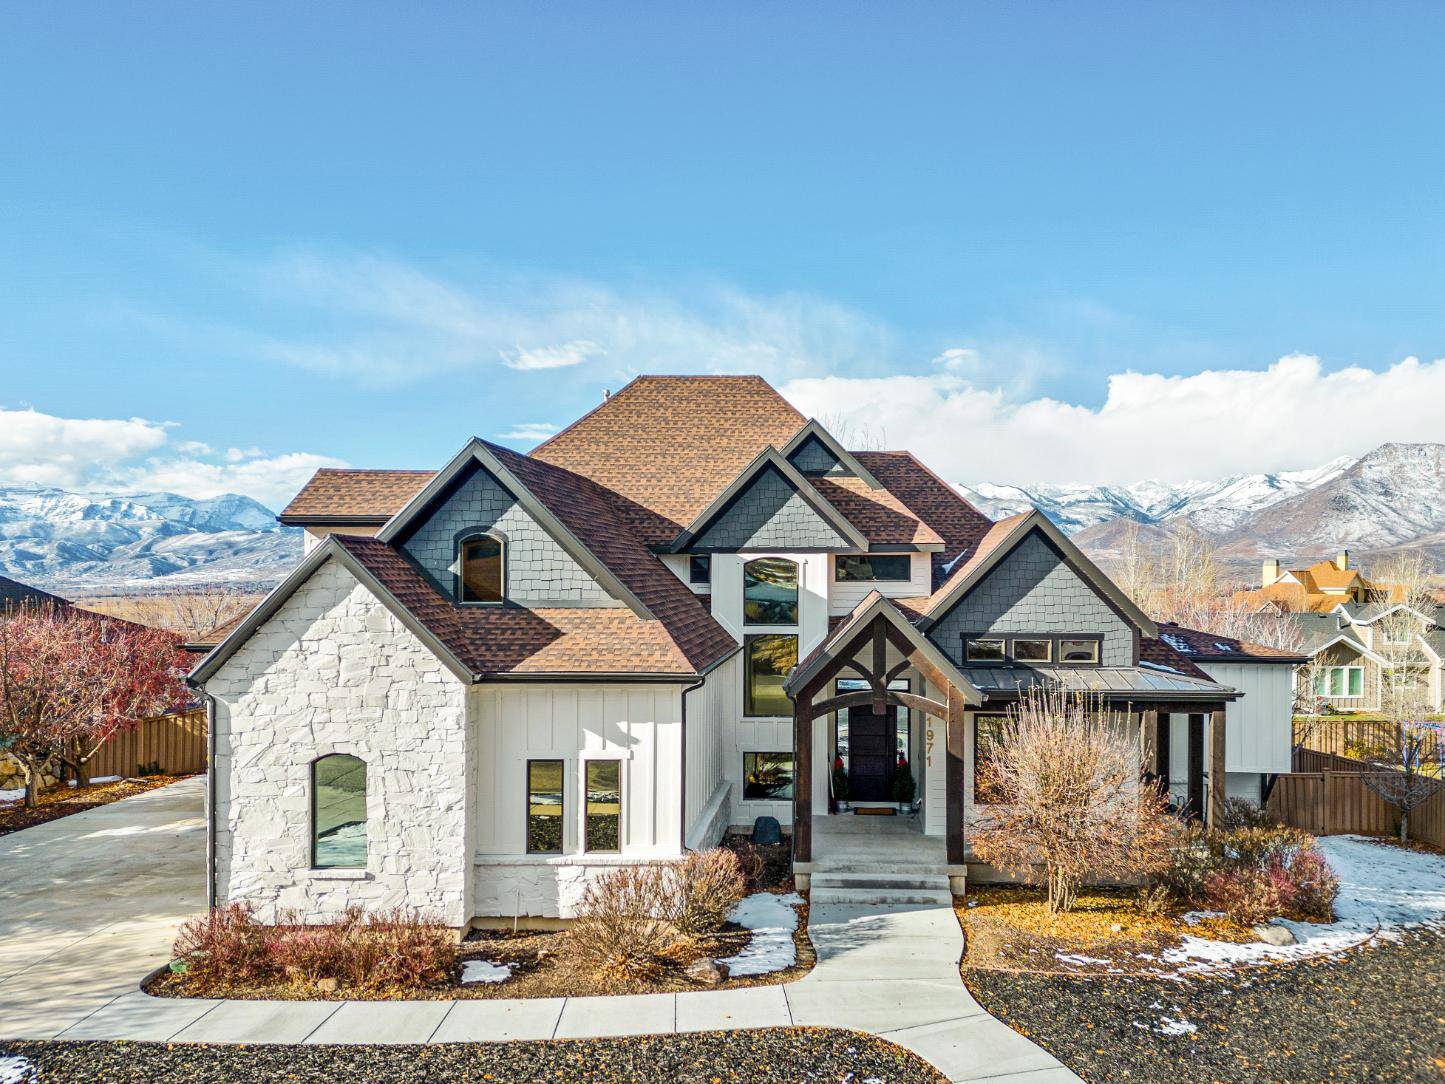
(513, 640)
(1207, 645)
(1161, 654)
(355, 494)
(932, 500)
(670, 444)
(881, 517)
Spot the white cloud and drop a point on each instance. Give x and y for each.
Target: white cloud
(553, 357)
(134, 454)
(524, 431)
(1291, 415)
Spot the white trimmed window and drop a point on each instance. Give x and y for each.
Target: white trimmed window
(1341, 682)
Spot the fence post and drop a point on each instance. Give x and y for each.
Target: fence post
(1327, 785)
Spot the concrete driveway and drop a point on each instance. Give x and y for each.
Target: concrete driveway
(90, 903)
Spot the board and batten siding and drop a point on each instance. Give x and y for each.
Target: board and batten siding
(844, 597)
(1259, 725)
(710, 710)
(638, 724)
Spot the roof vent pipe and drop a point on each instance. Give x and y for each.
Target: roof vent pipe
(606, 395)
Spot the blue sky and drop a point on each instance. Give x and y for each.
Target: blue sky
(1035, 242)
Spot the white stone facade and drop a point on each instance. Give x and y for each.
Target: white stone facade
(334, 671)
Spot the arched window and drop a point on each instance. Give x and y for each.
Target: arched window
(338, 812)
(480, 571)
(770, 592)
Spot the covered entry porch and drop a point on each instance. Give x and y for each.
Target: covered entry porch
(872, 668)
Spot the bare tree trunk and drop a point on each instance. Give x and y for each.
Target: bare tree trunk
(1405, 825)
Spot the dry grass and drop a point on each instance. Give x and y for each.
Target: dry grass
(62, 801)
(541, 967)
(1009, 927)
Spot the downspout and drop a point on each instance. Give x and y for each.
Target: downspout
(682, 731)
(210, 801)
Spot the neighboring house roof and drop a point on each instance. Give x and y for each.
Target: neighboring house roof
(14, 593)
(1209, 647)
(205, 641)
(354, 496)
(670, 444)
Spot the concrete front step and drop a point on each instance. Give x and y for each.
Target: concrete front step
(874, 897)
(842, 867)
(910, 879)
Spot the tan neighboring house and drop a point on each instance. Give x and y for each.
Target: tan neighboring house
(1347, 660)
(1316, 589)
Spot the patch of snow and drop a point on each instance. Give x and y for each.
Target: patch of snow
(1194, 918)
(772, 919)
(1168, 1026)
(17, 1070)
(96, 779)
(1147, 665)
(485, 971)
(1078, 958)
(1383, 890)
(12, 795)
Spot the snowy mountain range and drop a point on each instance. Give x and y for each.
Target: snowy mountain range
(87, 543)
(1391, 498)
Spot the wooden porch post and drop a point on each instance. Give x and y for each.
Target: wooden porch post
(803, 776)
(954, 777)
(1161, 750)
(1148, 737)
(1216, 767)
(1196, 767)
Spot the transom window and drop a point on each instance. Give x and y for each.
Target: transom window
(480, 573)
(770, 592)
(1034, 649)
(891, 567)
(338, 812)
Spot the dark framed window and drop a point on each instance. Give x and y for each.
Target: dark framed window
(988, 732)
(604, 806)
(1030, 649)
(892, 567)
(767, 777)
(770, 592)
(1079, 650)
(983, 649)
(699, 568)
(338, 812)
(768, 659)
(481, 574)
(545, 806)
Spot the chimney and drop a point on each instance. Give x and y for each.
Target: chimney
(1342, 560)
(1270, 572)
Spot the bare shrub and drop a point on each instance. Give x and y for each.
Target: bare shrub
(751, 862)
(1065, 777)
(227, 943)
(1242, 813)
(1252, 874)
(387, 949)
(619, 929)
(701, 890)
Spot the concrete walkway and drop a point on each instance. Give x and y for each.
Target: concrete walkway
(90, 904)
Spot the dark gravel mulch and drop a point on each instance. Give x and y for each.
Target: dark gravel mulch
(1375, 1014)
(774, 1056)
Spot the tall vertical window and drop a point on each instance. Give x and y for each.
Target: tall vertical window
(604, 805)
(479, 569)
(338, 812)
(770, 592)
(769, 658)
(544, 807)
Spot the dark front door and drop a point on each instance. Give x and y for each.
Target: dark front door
(872, 753)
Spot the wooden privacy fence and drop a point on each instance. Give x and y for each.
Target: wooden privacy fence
(177, 743)
(1331, 802)
(1357, 738)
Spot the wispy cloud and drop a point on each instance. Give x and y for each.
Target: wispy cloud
(553, 357)
(529, 431)
(135, 455)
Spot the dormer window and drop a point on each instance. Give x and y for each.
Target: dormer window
(481, 569)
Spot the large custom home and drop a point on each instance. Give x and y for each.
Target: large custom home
(1350, 655)
(485, 683)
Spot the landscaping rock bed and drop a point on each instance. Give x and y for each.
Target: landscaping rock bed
(1371, 1014)
(765, 1056)
(63, 801)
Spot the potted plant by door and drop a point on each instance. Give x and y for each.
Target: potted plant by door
(904, 789)
(840, 785)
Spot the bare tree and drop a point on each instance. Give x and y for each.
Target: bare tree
(189, 613)
(1067, 793)
(856, 436)
(1408, 747)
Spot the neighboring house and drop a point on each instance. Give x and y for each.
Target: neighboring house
(1348, 657)
(13, 593)
(1316, 589)
(484, 684)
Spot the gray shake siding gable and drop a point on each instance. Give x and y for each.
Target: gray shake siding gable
(813, 457)
(538, 570)
(1033, 590)
(769, 514)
